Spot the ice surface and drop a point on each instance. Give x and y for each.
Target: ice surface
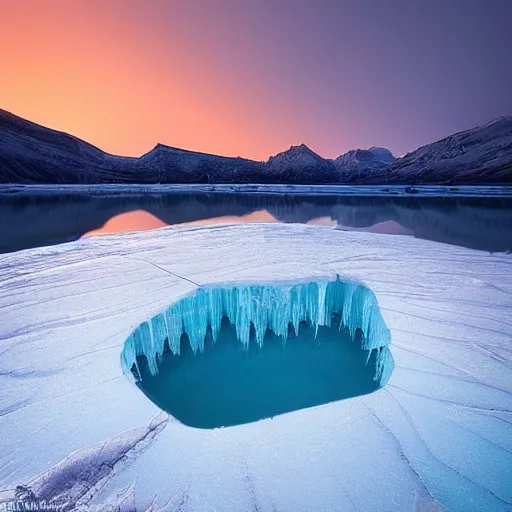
(71, 483)
(350, 190)
(437, 436)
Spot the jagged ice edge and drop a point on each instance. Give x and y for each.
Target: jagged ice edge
(264, 306)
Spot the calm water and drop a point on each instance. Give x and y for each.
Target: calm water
(229, 385)
(40, 220)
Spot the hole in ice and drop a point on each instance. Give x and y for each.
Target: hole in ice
(227, 356)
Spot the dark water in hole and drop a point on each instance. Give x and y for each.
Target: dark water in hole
(483, 223)
(229, 385)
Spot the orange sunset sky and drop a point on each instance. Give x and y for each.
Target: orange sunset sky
(251, 78)
(110, 73)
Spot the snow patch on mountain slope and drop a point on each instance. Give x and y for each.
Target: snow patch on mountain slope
(481, 154)
(359, 164)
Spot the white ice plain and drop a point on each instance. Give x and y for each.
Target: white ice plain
(75, 429)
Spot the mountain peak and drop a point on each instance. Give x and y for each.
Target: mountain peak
(301, 160)
(164, 147)
(30, 153)
(355, 160)
(301, 147)
(298, 151)
(382, 151)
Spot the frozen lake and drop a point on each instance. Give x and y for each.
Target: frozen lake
(188, 358)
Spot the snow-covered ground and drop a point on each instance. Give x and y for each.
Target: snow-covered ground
(437, 436)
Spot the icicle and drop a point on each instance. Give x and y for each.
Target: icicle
(215, 311)
(243, 316)
(295, 310)
(385, 366)
(195, 319)
(321, 309)
(368, 357)
(152, 356)
(264, 307)
(260, 305)
(159, 333)
(174, 327)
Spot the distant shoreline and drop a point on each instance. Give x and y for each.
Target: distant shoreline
(275, 189)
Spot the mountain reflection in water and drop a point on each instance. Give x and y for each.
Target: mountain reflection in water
(39, 220)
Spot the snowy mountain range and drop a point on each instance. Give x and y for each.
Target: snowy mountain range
(30, 153)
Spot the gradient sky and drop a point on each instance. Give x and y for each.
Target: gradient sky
(252, 77)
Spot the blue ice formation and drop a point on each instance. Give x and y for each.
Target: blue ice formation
(265, 307)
